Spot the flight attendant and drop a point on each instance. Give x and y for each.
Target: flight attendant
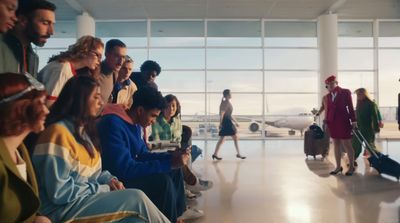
(341, 120)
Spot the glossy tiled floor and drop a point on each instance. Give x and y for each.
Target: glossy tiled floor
(277, 184)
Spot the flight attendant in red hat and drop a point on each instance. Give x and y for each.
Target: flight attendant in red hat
(341, 120)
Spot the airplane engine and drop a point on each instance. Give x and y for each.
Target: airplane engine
(254, 127)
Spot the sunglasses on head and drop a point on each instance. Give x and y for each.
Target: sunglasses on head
(34, 85)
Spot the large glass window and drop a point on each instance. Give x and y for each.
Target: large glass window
(389, 66)
(355, 34)
(177, 33)
(234, 59)
(133, 34)
(356, 56)
(178, 58)
(237, 81)
(138, 56)
(389, 34)
(181, 81)
(243, 104)
(290, 104)
(200, 59)
(389, 74)
(291, 81)
(291, 59)
(290, 34)
(356, 59)
(234, 33)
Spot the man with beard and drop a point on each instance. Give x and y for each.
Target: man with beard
(35, 25)
(115, 53)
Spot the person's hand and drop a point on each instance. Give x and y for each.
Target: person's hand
(381, 125)
(41, 219)
(116, 185)
(179, 158)
(237, 125)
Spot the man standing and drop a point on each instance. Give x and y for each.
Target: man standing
(124, 86)
(35, 25)
(115, 57)
(147, 75)
(341, 120)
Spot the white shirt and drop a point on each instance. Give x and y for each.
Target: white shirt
(334, 94)
(21, 166)
(54, 76)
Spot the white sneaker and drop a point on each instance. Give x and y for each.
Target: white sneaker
(201, 185)
(191, 213)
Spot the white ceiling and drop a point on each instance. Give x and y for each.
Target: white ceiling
(225, 9)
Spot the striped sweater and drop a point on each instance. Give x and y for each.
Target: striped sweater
(65, 171)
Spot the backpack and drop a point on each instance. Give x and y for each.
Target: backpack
(317, 132)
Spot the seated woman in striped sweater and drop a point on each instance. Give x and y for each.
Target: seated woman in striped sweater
(72, 185)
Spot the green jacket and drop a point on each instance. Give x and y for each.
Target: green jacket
(368, 117)
(162, 130)
(12, 54)
(19, 200)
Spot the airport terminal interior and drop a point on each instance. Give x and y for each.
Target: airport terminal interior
(274, 56)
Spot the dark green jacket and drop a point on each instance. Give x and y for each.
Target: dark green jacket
(12, 54)
(19, 200)
(368, 116)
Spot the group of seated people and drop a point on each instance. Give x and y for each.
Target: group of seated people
(86, 140)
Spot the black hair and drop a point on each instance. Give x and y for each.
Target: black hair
(149, 66)
(148, 98)
(226, 93)
(169, 99)
(28, 7)
(112, 43)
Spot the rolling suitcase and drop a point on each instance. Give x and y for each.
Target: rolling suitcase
(382, 163)
(316, 143)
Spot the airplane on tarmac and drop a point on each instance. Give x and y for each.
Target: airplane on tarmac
(295, 119)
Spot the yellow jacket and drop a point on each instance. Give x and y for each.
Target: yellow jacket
(19, 200)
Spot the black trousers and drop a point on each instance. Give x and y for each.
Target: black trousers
(166, 191)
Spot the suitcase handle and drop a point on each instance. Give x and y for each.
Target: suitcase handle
(362, 140)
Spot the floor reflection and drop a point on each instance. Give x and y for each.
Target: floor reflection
(277, 184)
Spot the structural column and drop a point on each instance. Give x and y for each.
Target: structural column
(328, 55)
(85, 25)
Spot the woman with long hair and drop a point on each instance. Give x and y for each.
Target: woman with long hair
(227, 125)
(81, 57)
(22, 111)
(369, 120)
(168, 126)
(72, 185)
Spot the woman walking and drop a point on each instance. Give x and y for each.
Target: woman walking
(227, 125)
(368, 119)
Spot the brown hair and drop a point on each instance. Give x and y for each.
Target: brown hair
(72, 104)
(169, 99)
(78, 50)
(18, 115)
